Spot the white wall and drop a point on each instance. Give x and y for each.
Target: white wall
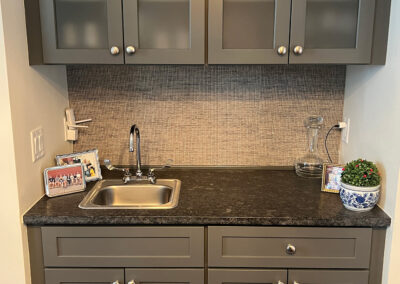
(12, 260)
(30, 97)
(372, 102)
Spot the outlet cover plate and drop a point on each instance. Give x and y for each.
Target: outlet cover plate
(346, 131)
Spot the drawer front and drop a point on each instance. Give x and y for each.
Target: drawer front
(243, 276)
(167, 276)
(80, 276)
(123, 246)
(268, 247)
(328, 277)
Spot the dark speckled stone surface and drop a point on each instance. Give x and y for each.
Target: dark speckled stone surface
(220, 197)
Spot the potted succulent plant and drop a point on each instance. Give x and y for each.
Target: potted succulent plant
(360, 185)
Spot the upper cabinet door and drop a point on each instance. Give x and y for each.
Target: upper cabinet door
(82, 31)
(248, 31)
(164, 31)
(332, 31)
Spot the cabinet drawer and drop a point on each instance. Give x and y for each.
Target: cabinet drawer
(243, 276)
(167, 276)
(80, 276)
(328, 276)
(267, 247)
(123, 246)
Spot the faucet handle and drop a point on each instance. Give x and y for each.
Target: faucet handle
(110, 167)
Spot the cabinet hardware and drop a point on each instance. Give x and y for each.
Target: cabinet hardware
(280, 282)
(290, 249)
(130, 50)
(282, 50)
(132, 282)
(298, 50)
(115, 282)
(295, 282)
(114, 50)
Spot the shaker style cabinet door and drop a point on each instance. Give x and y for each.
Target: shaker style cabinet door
(164, 276)
(328, 277)
(84, 276)
(332, 31)
(164, 31)
(243, 276)
(82, 31)
(248, 31)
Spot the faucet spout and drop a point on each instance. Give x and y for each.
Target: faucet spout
(135, 130)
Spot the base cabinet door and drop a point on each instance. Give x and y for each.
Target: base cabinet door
(246, 276)
(328, 277)
(81, 275)
(164, 276)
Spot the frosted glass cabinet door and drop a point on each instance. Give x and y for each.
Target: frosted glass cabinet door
(164, 31)
(332, 31)
(82, 31)
(248, 31)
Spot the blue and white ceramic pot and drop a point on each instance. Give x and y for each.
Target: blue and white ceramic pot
(357, 198)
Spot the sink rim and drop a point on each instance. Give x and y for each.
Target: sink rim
(87, 201)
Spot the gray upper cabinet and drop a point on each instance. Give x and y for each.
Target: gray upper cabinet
(332, 31)
(248, 31)
(164, 31)
(238, 31)
(82, 31)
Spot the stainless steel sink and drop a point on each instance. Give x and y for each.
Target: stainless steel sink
(114, 194)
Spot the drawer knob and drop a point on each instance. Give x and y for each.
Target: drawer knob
(115, 282)
(295, 282)
(282, 50)
(114, 51)
(290, 249)
(280, 282)
(298, 50)
(132, 282)
(130, 50)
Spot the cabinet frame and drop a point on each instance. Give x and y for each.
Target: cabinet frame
(361, 54)
(54, 55)
(192, 55)
(218, 55)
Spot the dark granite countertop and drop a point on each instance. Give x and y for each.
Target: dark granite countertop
(220, 197)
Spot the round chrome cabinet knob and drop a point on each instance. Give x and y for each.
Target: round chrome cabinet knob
(282, 50)
(290, 249)
(114, 50)
(130, 50)
(115, 282)
(295, 282)
(280, 282)
(298, 50)
(132, 282)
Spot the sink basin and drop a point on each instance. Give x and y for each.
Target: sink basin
(114, 194)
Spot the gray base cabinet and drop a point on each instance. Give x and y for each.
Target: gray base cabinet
(328, 277)
(205, 255)
(243, 276)
(79, 276)
(164, 276)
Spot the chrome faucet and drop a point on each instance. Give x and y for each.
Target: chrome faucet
(135, 130)
(151, 177)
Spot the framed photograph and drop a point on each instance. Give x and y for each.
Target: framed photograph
(331, 177)
(89, 160)
(64, 180)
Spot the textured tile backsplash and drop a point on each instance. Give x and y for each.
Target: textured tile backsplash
(205, 115)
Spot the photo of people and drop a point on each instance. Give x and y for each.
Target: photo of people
(89, 160)
(331, 178)
(64, 180)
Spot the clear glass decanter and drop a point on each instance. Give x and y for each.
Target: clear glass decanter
(310, 165)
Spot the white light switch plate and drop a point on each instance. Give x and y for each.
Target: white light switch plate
(37, 144)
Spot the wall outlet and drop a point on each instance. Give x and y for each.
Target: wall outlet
(37, 144)
(346, 131)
